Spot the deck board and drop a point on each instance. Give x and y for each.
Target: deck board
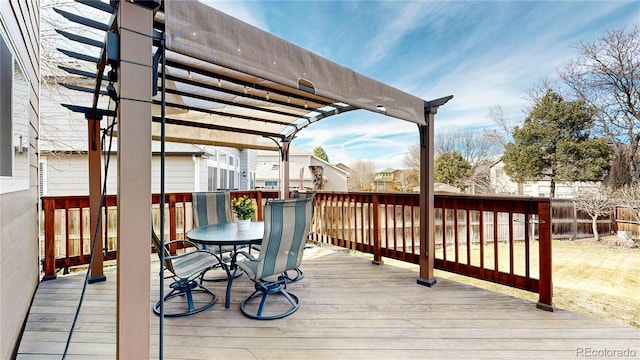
(351, 309)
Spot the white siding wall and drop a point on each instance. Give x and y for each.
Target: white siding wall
(67, 175)
(19, 263)
(179, 176)
(336, 179)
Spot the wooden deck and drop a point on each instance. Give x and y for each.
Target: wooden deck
(351, 309)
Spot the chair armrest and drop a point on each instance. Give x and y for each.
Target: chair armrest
(192, 253)
(246, 255)
(191, 243)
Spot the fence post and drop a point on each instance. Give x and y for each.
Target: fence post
(377, 251)
(545, 290)
(48, 205)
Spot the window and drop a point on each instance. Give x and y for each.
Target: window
(212, 179)
(271, 184)
(225, 180)
(6, 122)
(14, 122)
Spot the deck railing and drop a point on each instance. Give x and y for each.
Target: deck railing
(506, 240)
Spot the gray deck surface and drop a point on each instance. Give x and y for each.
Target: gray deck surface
(351, 309)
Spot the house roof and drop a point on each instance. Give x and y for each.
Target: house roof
(231, 84)
(387, 170)
(266, 168)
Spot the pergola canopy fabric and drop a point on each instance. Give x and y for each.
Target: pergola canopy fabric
(220, 81)
(231, 84)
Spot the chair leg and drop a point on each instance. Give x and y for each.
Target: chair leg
(284, 277)
(186, 288)
(263, 290)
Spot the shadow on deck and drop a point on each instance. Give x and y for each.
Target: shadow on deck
(350, 309)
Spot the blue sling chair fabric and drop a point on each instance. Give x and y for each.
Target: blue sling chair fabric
(286, 226)
(187, 271)
(209, 208)
(212, 207)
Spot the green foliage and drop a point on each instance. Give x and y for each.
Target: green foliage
(319, 152)
(451, 168)
(554, 143)
(243, 207)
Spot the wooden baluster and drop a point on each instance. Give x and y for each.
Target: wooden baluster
(172, 223)
(377, 254)
(48, 205)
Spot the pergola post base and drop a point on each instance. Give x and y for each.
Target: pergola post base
(95, 279)
(426, 282)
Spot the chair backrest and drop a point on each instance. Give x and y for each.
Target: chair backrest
(155, 240)
(286, 225)
(212, 207)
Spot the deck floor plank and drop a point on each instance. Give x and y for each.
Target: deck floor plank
(350, 309)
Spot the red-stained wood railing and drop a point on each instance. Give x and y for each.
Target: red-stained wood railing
(506, 240)
(67, 237)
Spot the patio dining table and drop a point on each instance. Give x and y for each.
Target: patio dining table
(227, 235)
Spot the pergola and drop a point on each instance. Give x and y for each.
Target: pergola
(185, 72)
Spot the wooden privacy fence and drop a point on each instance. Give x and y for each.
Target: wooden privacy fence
(625, 221)
(503, 240)
(571, 223)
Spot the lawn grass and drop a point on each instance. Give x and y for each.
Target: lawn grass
(589, 277)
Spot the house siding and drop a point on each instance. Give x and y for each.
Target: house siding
(19, 263)
(335, 178)
(68, 174)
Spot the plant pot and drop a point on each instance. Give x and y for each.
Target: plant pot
(243, 224)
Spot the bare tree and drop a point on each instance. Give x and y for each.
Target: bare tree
(629, 197)
(406, 180)
(606, 75)
(595, 202)
(362, 175)
(505, 126)
(476, 148)
(411, 159)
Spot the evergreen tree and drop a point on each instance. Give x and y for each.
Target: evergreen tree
(319, 152)
(554, 143)
(451, 168)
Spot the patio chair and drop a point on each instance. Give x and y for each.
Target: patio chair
(209, 208)
(187, 271)
(286, 225)
(299, 274)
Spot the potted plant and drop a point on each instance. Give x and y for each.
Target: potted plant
(244, 208)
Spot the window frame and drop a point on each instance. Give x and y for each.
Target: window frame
(18, 177)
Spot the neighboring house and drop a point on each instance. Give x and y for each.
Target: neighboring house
(383, 180)
(19, 132)
(187, 168)
(268, 173)
(345, 168)
(391, 179)
(64, 161)
(503, 185)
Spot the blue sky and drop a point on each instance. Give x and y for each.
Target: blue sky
(485, 53)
